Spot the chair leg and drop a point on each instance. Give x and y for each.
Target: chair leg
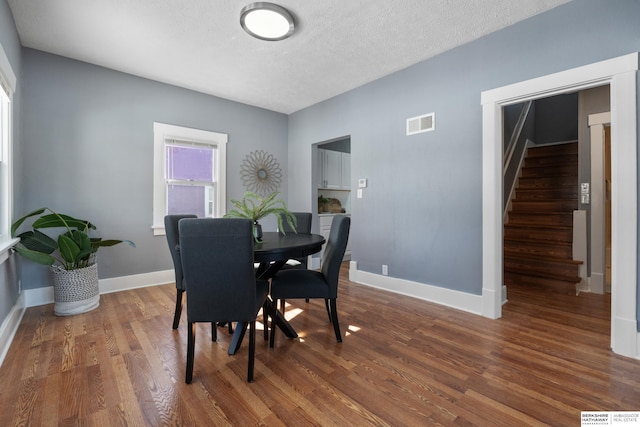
(282, 305)
(334, 317)
(265, 320)
(178, 311)
(252, 349)
(230, 327)
(191, 343)
(274, 310)
(214, 331)
(326, 304)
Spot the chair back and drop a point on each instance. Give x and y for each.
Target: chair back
(334, 252)
(173, 237)
(303, 223)
(217, 261)
(303, 226)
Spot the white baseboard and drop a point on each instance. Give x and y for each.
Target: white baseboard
(450, 298)
(10, 326)
(626, 328)
(41, 296)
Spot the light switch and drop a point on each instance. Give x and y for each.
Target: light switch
(359, 193)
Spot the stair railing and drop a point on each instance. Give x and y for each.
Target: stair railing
(515, 147)
(515, 135)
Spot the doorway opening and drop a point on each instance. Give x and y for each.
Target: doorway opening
(620, 74)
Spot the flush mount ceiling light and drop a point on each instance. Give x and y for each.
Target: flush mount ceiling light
(267, 21)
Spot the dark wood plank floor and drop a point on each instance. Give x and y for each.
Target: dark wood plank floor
(403, 361)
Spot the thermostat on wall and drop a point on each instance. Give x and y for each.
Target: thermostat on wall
(362, 183)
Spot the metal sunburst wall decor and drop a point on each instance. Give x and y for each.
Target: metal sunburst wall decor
(261, 173)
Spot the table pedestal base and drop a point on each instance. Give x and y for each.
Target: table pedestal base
(241, 328)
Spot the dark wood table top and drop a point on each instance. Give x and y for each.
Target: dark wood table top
(277, 247)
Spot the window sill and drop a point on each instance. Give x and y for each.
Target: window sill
(158, 230)
(5, 248)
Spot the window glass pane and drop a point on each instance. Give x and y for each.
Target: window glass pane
(189, 163)
(189, 199)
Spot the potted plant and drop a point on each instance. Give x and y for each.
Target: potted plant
(71, 257)
(323, 204)
(255, 207)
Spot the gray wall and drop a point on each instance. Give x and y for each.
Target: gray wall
(9, 272)
(421, 213)
(557, 119)
(88, 151)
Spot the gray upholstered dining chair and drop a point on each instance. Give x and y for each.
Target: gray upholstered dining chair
(171, 231)
(288, 284)
(217, 262)
(303, 226)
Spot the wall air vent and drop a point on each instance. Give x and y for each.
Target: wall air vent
(419, 124)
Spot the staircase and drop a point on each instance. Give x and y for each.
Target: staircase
(538, 235)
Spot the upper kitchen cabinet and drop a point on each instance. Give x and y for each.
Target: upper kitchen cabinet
(335, 170)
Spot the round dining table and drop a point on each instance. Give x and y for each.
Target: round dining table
(275, 249)
(271, 253)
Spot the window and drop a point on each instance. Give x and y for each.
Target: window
(7, 88)
(189, 173)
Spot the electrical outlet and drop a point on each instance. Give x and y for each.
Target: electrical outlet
(385, 270)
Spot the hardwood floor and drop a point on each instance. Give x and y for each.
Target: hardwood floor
(402, 361)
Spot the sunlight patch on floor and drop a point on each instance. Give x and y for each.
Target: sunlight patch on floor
(292, 312)
(352, 329)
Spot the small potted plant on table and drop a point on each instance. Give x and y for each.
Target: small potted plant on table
(255, 207)
(71, 257)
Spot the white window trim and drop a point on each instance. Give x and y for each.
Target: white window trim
(163, 132)
(8, 83)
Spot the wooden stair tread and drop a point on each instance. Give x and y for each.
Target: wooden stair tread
(541, 258)
(533, 242)
(543, 274)
(538, 226)
(548, 284)
(538, 236)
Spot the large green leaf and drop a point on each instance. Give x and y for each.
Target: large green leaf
(18, 223)
(68, 249)
(38, 241)
(74, 244)
(35, 256)
(97, 242)
(84, 243)
(61, 220)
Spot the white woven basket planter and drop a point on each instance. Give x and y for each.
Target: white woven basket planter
(75, 291)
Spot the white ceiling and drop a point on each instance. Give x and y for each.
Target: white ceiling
(199, 44)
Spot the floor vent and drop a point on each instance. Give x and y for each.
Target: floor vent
(419, 124)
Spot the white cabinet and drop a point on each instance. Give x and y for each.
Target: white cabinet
(335, 170)
(346, 170)
(325, 230)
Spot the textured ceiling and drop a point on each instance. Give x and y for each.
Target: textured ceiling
(199, 44)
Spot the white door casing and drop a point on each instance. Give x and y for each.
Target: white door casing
(620, 74)
(597, 263)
